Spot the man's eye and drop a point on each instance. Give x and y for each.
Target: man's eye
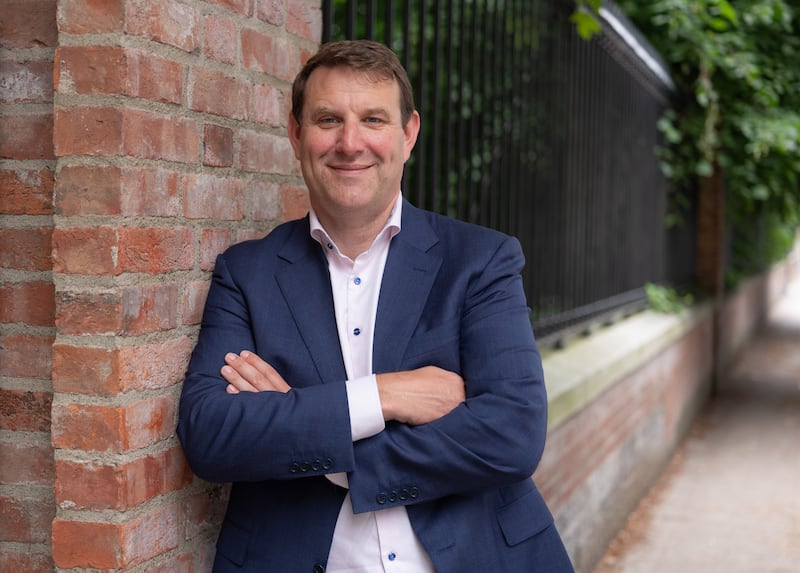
(327, 121)
(373, 120)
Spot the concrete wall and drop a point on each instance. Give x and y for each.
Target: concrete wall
(622, 400)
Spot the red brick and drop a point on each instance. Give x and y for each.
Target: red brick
(87, 544)
(22, 410)
(209, 197)
(152, 136)
(204, 510)
(25, 520)
(155, 249)
(217, 146)
(269, 54)
(272, 11)
(265, 201)
(294, 202)
(154, 365)
(31, 303)
(149, 308)
(250, 234)
(83, 190)
(98, 428)
(27, 136)
(91, 16)
(220, 39)
(85, 485)
(88, 131)
(26, 560)
(91, 70)
(305, 20)
(26, 355)
(266, 153)
(154, 78)
(83, 313)
(166, 21)
(85, 370)
(26, 249)
(212, 242)
(26, 192)
(28, 24)
(269, 106)
(26, 463)
(219, 94)
(26, 82)
(244, 7)
(193, 301)
(86, 251)
(178, 563)
(150, 192)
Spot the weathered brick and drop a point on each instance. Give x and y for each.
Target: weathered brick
(272, 11)
(266, 153)
(155, 78)
(220, 94)
(27, 136)
(85, 370)
(25, 463)
(212, 242)
(86, 250)
(153, 365)
(269, 106)
(152, 136)
(88, 131)
(113, 429)
(294, 202)
(150, 192)
(26, 191)
(84, 190)
(183, 562)
(221, 39)
(210, 197)
(155, 249)
(26, 519)
(217, 146)
(87, 544)
(22, 410)
(204, 510)
(94, 17)
(91, 70)
(149, 308)
(86, 485)
(26, 82)
(28, 24)
(26, 249)
(26, 560)
(240, 6)
(265, 201)
(166, 21)
(305, 20)
(193, 301)
(269, 54)
(31, 303)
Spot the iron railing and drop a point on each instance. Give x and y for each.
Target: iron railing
(533, 131)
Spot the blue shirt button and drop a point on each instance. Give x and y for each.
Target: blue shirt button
(357, 331)
(357, 280)
(392, 556)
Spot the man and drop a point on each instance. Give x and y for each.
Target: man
(367, 376)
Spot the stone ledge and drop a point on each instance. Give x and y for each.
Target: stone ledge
(579, 373)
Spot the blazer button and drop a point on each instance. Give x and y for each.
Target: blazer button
(393, 496)
(414, 492)
(318, 568)
(381, 498)
(326, 465)
(403, 495)
(294, 468)
(316, 465)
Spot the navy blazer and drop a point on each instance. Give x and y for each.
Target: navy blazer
(451, 297)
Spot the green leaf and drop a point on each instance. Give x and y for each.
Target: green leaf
(586, 24)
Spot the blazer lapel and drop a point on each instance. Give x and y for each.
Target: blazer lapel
(306, 287)
(407, 280)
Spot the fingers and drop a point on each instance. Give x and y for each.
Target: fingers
(247, 372)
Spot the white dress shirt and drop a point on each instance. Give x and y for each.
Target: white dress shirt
(380, 541)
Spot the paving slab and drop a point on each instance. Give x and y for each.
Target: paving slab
(729, 501)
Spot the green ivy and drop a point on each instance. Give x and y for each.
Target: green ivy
(736, 65)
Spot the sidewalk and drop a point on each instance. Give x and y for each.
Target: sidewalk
(729, 501)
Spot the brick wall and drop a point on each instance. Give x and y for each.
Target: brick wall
(139, 139)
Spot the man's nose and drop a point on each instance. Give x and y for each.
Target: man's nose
(350, 139)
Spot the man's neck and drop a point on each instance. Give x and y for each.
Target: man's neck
(354, 234)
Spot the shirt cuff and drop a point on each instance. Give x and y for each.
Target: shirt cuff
(366, 414)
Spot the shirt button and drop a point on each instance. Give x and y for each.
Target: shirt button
(356, 331)
(330, 245)
(357, 280)
(392, 556)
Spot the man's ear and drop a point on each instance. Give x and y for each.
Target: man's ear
(411, 131)
(294, 134)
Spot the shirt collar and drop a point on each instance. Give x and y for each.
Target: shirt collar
(392, 226)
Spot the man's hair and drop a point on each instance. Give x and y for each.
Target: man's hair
(376, 61)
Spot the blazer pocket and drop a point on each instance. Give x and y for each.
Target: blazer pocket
(524, 517)
(232, 543)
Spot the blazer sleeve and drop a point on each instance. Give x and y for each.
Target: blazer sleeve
(493, 439)
(255, 436)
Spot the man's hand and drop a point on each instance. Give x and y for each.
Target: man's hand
(419, 396)
(246, 372)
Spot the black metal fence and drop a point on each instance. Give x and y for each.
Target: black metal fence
(533, 131)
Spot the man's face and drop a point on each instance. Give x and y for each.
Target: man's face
(351, 144)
